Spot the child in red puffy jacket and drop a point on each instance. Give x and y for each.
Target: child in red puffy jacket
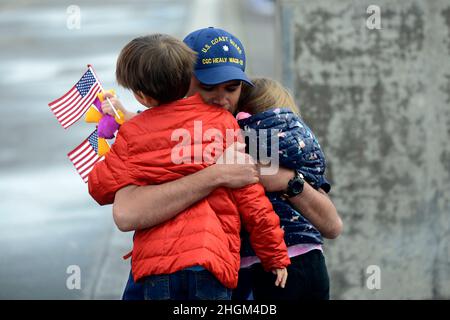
(197, 250)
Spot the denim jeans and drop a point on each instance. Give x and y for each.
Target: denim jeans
(185, 285)
(133, 290)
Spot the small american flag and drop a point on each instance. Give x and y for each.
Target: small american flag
(85, 156)
(71, 106)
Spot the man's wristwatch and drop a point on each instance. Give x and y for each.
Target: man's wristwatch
(295, 186)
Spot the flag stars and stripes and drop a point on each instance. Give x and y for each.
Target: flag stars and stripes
(71, 106)
(85, 83)
(93, 140)
(84, 157)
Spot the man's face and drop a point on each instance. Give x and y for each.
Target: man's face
(224, 95)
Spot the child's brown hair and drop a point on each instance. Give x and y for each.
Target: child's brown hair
(157, 65)
(265, 94)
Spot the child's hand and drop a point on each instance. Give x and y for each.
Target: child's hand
(107, 109)
(281, 277)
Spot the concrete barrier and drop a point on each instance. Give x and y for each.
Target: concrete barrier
(375, 88)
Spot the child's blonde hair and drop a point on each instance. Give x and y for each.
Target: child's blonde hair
(265, 94)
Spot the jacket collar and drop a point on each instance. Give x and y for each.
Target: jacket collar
(194, 99)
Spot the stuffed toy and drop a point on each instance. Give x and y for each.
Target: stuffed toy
(107, 124)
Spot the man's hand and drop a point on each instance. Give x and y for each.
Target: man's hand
(235, 168)
(281, 277)
(235, 175)
(278, 181)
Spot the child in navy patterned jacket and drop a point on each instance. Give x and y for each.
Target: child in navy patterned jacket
(268, 105)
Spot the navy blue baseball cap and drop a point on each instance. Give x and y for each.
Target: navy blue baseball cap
(220, 56)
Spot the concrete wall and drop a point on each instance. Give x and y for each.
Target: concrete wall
(379, 102)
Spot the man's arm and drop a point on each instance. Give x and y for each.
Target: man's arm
(318, 208)
(140, 207)
(315, 205)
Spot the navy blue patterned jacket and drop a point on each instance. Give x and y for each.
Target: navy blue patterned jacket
(299, 150)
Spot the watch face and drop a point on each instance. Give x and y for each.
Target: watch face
(297, 186)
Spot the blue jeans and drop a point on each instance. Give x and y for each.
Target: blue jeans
(185, 285)
(133, 290)
(196, 285)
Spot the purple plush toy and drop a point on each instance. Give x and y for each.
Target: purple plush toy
(107, 125)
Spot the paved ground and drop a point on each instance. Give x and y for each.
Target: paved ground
(48, 222)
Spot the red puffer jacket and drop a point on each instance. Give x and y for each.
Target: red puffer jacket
(207, 233)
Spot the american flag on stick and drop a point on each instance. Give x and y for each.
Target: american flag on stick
(71, 106)
(85, 156)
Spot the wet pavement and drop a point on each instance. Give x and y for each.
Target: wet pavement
(48, 221)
